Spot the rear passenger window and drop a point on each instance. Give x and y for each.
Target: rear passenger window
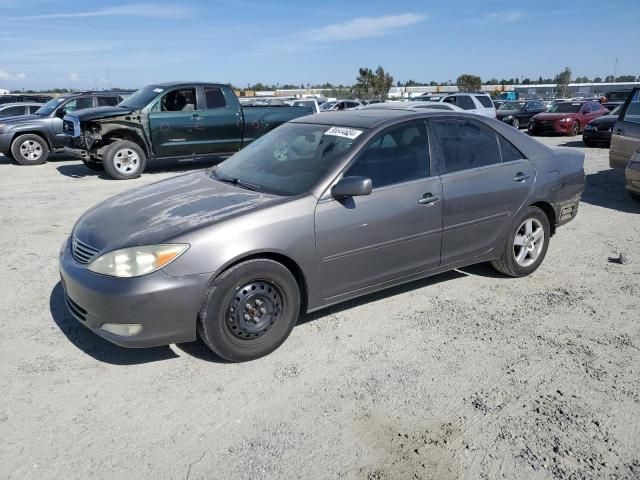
(466, 144)
(214, 98)
(509, 152)
(107, 101)
(485, 101)
(633, 110)
(397, 155)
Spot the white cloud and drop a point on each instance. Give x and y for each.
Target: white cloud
(147, 10)
(73, 77)
(4, 75)
(363, 27)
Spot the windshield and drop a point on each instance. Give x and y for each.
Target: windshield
(617, 96)
(511, 106)
(50, 106)
(141, 98)
(327, 105)
(565, 108)
(289, 160)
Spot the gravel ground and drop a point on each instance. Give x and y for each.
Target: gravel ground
(468, 374)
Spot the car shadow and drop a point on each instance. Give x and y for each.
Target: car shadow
(606, 189)
(95, 346)
(573, 143)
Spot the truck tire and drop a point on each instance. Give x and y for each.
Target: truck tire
(250, 310)
(526, 245)
(124, 160)
(29, 149)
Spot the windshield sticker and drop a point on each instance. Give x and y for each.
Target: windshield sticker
(158, 90)
(350, 133)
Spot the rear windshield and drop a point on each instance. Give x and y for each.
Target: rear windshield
(511, 106)
(565, 108)
(485, 101)
(617, 96)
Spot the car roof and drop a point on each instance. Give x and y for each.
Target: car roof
(21, 104)
(185, 84)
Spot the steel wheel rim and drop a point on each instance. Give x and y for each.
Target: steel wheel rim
(528, 242)
(254, 309)
(126, 161)
(31, 150)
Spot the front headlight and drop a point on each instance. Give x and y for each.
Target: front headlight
(507, 118)
(589, 127)
(566, 119)
(136, 261)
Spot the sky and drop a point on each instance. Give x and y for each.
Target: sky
(98, 44)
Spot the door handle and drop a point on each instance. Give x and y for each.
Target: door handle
(196, 117)
(428, 199)
(520, 177)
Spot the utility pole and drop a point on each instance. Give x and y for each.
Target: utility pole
(615, 70)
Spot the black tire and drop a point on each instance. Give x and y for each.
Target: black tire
(92, 165)
(515, 123)
(507, 263)
(575, 129)
(223, 324)
(120, 151)
(634, 196)
(30, 149)
(531, 130)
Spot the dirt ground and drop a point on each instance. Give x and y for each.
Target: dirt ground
(465, 375)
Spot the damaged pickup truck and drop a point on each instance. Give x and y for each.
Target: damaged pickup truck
(180, 121)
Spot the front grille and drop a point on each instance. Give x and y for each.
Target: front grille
(82, 252)
(603, 128)
(68, 128)
(76, 310)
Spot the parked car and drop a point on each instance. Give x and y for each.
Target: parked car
(497, 104)
(413, 106)
(18, 109)
(567, 118)
(478, 103)
(632, 176)
(517, 114)
(33, 98)
(598, 131)
(625, 138)
(29, 139)
(616, 98)
(306, 102)
(323, 209)
(339, 105)
(427, 97)
(169, 121)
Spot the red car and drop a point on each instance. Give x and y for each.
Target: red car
(567, 118)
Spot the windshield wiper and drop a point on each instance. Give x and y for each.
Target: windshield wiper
(238, 182)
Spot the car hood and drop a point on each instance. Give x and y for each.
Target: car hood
(505, 113)
(159, 212)
(554, 116)
(20, 119)
(100, 112)
(604, 120)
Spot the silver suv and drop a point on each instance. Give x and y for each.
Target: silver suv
(479, 103)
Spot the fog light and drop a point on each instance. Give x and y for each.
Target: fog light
(122, 329)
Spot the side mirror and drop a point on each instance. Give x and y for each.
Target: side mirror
(352, 187)
(61, 112)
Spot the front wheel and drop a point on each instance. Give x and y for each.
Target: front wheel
(575, 129)
(526, 246)
(123, 160)
(29, 149)
(516, 123)
(250, 310)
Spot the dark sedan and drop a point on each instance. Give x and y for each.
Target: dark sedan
(322, 209)
(598, 132)
(566, 118)
(518, 113)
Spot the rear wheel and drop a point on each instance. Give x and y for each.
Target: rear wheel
(575, 129)
(123, 160)
(250, 310)
(29, 149)
(516, 123)
(526, 246)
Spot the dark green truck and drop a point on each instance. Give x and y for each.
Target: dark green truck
(169, 121)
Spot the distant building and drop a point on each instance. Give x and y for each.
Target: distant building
(4, 92)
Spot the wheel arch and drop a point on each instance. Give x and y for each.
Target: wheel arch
(38, 133)
(549, 212)
(125, 134)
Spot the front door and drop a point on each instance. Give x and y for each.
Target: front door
(393, 232)
(625, 138)
(173, 123)
(220, 121)
(77, 103)
(485, 181)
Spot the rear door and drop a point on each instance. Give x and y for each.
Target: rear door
(13, 111)
(625, 138)
(172, 121)
(220, 121)
(393, 232)
(481, 192)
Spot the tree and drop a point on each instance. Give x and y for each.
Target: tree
(371, 84)
(468, 83)
(626, 78)
(562, 80)
(597, 80)
(609, 79)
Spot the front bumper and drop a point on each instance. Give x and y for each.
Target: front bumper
(549, 127)
(166, 307)
(596, 136)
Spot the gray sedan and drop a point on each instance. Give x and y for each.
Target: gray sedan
(322, 209)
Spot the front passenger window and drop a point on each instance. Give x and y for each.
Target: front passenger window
(466, 144)
(398, 155)
(633, 110)
(183, 100)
